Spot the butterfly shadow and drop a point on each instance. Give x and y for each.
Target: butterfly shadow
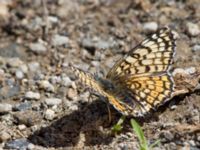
(83, 126)
(88, 126)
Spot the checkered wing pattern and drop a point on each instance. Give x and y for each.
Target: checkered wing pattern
(144, 71)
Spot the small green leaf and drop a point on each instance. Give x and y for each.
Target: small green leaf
(157, 142)
(118, 126)
(138, 131)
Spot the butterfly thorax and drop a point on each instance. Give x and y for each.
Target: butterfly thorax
(117, 90)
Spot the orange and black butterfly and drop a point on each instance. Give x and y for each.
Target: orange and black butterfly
(140, 81)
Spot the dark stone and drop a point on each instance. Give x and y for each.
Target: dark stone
(22, 106)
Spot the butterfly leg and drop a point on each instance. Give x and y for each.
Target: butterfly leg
(109, 113)
(90, 98)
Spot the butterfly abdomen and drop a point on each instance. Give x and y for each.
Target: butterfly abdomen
(88, 80)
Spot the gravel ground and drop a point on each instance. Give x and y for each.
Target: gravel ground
(42, 107)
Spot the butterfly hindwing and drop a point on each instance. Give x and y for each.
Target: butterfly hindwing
(151, 91)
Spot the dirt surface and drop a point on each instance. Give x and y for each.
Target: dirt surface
(41, 107)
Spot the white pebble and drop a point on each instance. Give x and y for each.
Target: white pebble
(31, 146)
(14, 62)
(55, 79)
(66, 81)
(150, 26)
(46, 85)
(196, 47)
(24, 68)
(49, 114)
(32, 95)
(38, 47)
(192, 29)
(53, 101)
(34, 66)
(52, 19)
(2, 72)
(21, 127)
(4, 107)
(58, 40)
(178, 70)
(190, 70)
(19, 74)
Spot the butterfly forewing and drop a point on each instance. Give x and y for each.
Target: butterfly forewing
(153, 55)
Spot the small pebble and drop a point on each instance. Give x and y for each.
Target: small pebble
(186, 146)
(5, 108)
(34, 128)
(192, 143)
(95, 63)
(190, 70)
(2, 72)
(72, 94)
(30, 146)
(55, 79)
(167, 135)
(14, 62)
(28, 117)
(101, 44)
(85, 95)
(70, 106)
(10, 81)
(87, 43)
(179, 71)
(66, 81)
(38, 48)
(198, 138)
(150, 27)
(22, 106)
(49, 114)
(46, 85)
(19, 144)
(52, 19)
(8, 118)
(173, 107)
(19, 74)
(38, 76)
(34, 66)
(53, 101)
(58, 40)
(192, 29)
(196, 48)
(32, 95)
(21, 127)
(36, 23)
(74, 85)
(172, 146)
(4, 136)
(24, 68)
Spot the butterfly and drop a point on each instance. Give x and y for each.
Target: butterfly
(141, 80)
